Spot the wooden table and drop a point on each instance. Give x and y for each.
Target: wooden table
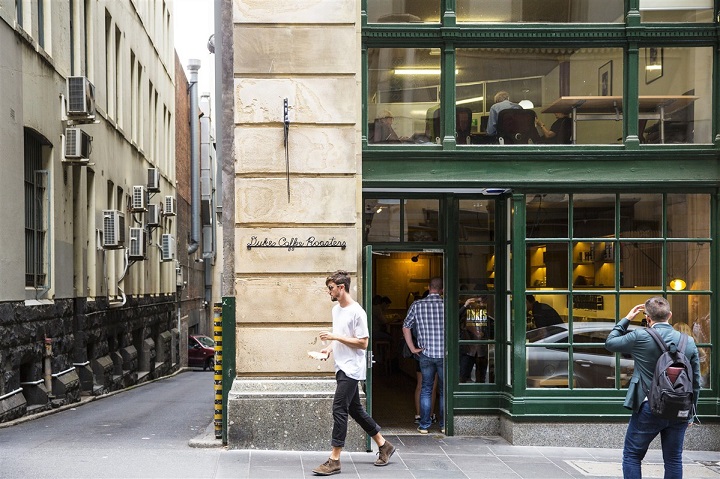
(654, 107)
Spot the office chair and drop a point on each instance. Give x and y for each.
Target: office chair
(517, 126)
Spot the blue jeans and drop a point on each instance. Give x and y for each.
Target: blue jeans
(643, 428)
(428, 368)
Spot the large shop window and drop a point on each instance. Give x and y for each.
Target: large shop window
(541, 11)
(590, 259)
(551, 87)
(403, 95)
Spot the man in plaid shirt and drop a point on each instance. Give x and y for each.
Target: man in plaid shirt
(427, 317)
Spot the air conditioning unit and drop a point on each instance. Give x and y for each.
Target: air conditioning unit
(80, 98)
(153, 214)
(153, 182)
(113, 229)
(78, 145)
(138, 244)
(169, 207)
(139, 198)
(167, 246)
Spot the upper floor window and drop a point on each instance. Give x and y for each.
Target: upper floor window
(403, 11)
(675, 87)
(679, 11)
(555, 87)
(403, 95)
(541, 11)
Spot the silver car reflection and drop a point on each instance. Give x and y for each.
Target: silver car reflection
(593, 366)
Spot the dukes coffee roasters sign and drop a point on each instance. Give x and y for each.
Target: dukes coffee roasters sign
(292, 243)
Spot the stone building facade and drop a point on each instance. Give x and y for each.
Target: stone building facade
(81, 313)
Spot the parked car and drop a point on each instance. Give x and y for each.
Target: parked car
(593, 366)
(201, 352)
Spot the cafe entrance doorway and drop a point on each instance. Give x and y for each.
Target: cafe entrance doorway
(398, 279)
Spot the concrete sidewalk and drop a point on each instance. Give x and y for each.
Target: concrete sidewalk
(438, 456)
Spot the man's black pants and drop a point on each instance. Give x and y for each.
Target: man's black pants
(347, 401)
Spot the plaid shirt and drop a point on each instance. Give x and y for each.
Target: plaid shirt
(427, 317)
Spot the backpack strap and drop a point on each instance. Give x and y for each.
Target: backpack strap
(658, 340)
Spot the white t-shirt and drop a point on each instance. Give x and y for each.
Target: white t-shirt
(351, 322)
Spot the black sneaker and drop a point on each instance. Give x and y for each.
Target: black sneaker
(330, 467)
(417, 419)
(433, 419)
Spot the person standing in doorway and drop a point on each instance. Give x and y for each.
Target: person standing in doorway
(349, 340)
(644, 426)
(427, 316)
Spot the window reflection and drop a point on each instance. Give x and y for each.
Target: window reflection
(476, 267)
(641, 215)
(546, 216)
(688, 216)
(382, 220)
(545, 11)
(476, 220)
(593, 215)
(688, 264)
(477, 328)
(547, 265)
(403, 11)
(680, 11)
(403, 94)
(422, 220)
(641, 265)
(675, 95)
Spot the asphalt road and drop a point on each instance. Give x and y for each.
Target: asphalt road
(141, 432)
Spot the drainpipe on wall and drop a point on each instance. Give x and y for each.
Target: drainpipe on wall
(194, 244)
(47, 365)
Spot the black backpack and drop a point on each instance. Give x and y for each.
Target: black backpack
(671, 390)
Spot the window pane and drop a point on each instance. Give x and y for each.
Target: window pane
(476, 267)
(675, 95)
(382, 220)
(547, 367)
(556, 84)
(547, 265)
(593, 307)
(688, 216)
(690, 264)
(593, 216)
(422, 220)
(403, 94)
(546, 317)
(641, 265)
(477, 324)
(593, 265)
(680, 11)
(546, 216)
(641, 216)
(475, 222)
(407, 11)
(545, 11)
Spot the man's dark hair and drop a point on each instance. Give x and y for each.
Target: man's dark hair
(339, 277)
(658, 309)
(530, 298)
(436, 284)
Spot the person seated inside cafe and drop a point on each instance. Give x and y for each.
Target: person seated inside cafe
(384, 131)
(560, 131)
(502, 102)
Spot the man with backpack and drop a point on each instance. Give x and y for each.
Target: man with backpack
(648, 395)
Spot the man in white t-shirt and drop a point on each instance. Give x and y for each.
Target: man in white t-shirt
(349, 340)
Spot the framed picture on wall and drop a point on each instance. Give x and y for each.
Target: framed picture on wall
(653, 64)
(605, 79)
